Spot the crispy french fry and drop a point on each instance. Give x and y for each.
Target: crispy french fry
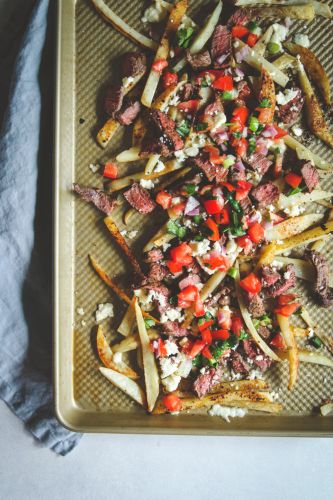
(108, 281)
(302, 198)
(162, 53)
(259, 62)
(249, 323)
(120, 240)
(173, 178)
(202, 36)
(125, 384)
(320, 8)
(260, 46)
(314, 68)
(303, 269)
(293, 355)
(255, 401)
(304, 12)
(292, 226)
(108, 130)
(304, 153)
(316, 358)
(149, 363)
(128, 215)
(132, 154)
(299, 332)
(240, 385)
(268, 92)
(106, 356)
(285, 61)
(312, 324)
(132, 342)
(120, 25)
(315, 117)
(159, 238)
(128, 323)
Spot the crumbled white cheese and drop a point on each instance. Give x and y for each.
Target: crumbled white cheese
(127, 80)
(255, 374)
(155, 13)
(180, 155)
(80, 311)
(174, 100)
(172, 315)
(302, 40)
(165, 246)
(171, 382)
(171, 347)
(231, 247)
(294, 211)
(286, 96)
(311, 333)
(168, 366)
(159, 166)
(297, 131)
(94, 168)
(132, 234)
(287, 275)
(219, 120)
(123, 232)
(279, 35)
(147, 184)
(226, 412)
(192, 151)
(200, 247)
(277, 264)
(117, 357)
(104, 311)
(172, 53)
(185, 366)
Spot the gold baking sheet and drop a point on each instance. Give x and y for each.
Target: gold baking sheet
(88, 54)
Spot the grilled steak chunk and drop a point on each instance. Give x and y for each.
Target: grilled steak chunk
(310, 176)
(97, 197)
(139, 198)
(114, 99)
(237, 172)
(133, 64)
(258, 357)
(285, 282)
(259, 163)
(205, 381)
(198, 61)
(239, 18)
(269, 276)
(265, 194)
(238, 364)
(255, 304)
(321, 288)
(164, 128)
(288, 113)
(212, 172)
(128, 112)
(154, 255)
(221, 45)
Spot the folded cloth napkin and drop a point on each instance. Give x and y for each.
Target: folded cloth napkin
(26, 240)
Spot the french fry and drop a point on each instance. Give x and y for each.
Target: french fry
(320, 8)
(125, 384)
(128, 215)
(139, 131)
(285, 61)
(132, 154)
(303, 269)
(304, 153)
(120, 25)
(120, 240)
(106, 356)
(173, 178)
(299, 332)
(128, 323)
(293, 354)
(132, 342)
(108, 130)
(255, 401)
(108, 281)
(292, 226)
(315, 358)
(312, 324)
(315, 117)
(302, 198)
(303, 12)
(314, 68)
(162, 53)
(260, 46)
(268, 92)
(159, 238)
(249, 323)
(240, 385)
(202, 36)
(326, 409)
(149, 363)
(259, 62)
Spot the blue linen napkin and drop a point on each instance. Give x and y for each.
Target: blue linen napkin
(26, 239)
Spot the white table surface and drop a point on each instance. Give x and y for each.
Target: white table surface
(119, 467)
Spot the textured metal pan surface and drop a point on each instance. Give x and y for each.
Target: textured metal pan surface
(88, 50)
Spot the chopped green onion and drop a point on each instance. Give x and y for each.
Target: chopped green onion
(197, 219)
(230, 160)
(227, 96)
(254, 124)
(183, 128)
(295, 191)
(237, 135)
(273, 48)
(243, 335)
(252, 145)
(232, 272)
(206, 82)
(190, 188)
(316, 342)
(174, 300)
(184, 36)
(265, 103)
(149, 323)
(174, 227)
(201, 126)
(252, 26)
(199, 237)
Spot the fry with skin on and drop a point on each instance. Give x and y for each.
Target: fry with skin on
(106, 356)
(320, 8)
(292, 226)
(125, 384)
(131, 342)
(268, 92)
(316, 358)
(292, 350)
(304, 153)
(304, 12)
(260, 46)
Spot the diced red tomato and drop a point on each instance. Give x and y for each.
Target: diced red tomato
(256, 233)
(241, 114)
(177, 210)
(293, 180)
(241, 147)
(242, 190)
(187, 347)
(252, 39)
(199, 309)
(214, 155)
(189, 294)
(207, 354)
(229, 186)
(161, 349)
(220, 334)
(196, 348)
(278, 342)
(218, 262)
(159, 65)
(280, 132)
(213, 207)
(164, 199)
(110, 170)
(223, 83)
(206, 336)
(245, 243)
(288, 309)
(172, 402)
(251, 283)
(189, 106)
(223, 218)
(239, 31)
(182, 254)
(169, 79)
(236, 325)
(174, 267)
(286, 299)
(265, 115)
(206, 325)
(215, 235)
